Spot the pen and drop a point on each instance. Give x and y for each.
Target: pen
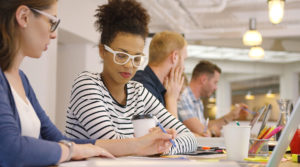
(159, 125)
(276, 130)
(249, 111)
(270, 129)
(237, 123)
(260, 135)
(206, 125)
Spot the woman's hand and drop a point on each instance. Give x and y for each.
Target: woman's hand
(155, 142)
(206, 134)
(83, 151)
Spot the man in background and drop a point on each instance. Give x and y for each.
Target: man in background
(203, 84)
(163, 74)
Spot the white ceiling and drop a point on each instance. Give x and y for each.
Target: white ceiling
(236, 54)
(214, 19)
(215, 27)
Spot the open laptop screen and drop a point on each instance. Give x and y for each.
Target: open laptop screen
(285, 137)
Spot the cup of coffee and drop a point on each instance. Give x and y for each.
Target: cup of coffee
(142, 124)
(237, 141)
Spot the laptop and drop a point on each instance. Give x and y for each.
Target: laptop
(285, 137)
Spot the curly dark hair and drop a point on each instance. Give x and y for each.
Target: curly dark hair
(121, 16)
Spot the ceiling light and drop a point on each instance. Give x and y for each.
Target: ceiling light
(256, 52)
(276, 10)
(270, 94)
(249, 96)
(252, 37)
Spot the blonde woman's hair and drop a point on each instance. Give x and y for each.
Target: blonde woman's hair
(9, 31)
(163, 44)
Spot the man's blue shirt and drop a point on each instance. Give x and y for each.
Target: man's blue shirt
(150, 81)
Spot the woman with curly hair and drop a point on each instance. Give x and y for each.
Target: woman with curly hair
(103, 104)
(27, 135)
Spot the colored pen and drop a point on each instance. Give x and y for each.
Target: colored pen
(276, 130)
(267, 132)
(159, 125)
(237, 123)
(249, 111)
(262, 132)
(206, 125)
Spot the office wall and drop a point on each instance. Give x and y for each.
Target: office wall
(77, 17)
(73, 58)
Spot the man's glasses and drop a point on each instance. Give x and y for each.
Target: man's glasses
(54, 21)
(122, 58)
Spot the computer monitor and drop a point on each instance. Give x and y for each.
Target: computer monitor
(285, 137)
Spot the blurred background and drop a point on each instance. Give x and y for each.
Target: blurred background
(214, 30)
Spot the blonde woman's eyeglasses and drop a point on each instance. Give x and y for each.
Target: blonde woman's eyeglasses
(54, 21)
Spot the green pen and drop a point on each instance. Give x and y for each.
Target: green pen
(237, 123)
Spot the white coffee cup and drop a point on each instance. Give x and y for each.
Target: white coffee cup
(236, 141)
(142, 124)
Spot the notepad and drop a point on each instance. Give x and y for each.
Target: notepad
(211, 142)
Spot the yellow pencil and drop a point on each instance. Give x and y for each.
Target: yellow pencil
(263, 132)
(273, 127)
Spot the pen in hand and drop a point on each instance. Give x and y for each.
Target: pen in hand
(206, 125)
(249, 111)
(159, 125)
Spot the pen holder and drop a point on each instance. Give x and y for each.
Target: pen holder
(258, 147)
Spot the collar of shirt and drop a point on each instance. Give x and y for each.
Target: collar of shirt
(191, 94)
(154, 79)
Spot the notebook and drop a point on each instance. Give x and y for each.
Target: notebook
(285, 137)
(211, 142)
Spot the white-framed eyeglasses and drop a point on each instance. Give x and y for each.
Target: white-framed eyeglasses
(54, 21)
(122, 58)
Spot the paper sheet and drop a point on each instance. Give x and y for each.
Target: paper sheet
(211, 141)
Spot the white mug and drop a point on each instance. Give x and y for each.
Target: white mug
(237, 141)
(142, 124)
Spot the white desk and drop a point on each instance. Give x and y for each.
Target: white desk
(129, 162)
(194, 161)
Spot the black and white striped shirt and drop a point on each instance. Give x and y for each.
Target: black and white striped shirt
(94, 114)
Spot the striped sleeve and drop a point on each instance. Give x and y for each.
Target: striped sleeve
(185, 140)
(89, 109)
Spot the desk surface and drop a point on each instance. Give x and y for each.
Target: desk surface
(191, 161)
